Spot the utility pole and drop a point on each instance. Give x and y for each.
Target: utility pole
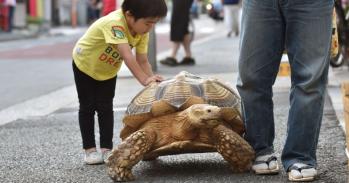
(74, 16)
(152, 49)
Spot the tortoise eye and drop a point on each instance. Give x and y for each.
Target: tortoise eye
(209, 110)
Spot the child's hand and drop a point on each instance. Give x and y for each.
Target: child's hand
(154, 78)
(158, 78)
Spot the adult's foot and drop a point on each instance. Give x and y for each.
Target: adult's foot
(300, 172)
(187, 61)
(266, 165)
(170, 61)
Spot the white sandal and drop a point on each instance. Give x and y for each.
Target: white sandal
(266, 165)
(300, 172)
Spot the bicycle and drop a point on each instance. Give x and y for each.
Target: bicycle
(343, 34)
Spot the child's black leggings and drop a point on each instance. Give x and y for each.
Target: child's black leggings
(95, 96)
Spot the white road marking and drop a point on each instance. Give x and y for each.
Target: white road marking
(39, 106)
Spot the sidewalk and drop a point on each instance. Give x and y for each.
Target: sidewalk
(33, 34)
(16, 35)
(336, 77)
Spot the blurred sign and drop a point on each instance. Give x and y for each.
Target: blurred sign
(3, 17)
(284, 69)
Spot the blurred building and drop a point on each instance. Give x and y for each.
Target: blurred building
(47, 13)
(56, 12)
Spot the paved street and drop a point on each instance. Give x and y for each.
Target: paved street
(47, 148)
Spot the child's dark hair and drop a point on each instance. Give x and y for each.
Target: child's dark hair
(145, 8)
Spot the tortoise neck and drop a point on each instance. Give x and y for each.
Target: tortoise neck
(185, 121)
(183, 127)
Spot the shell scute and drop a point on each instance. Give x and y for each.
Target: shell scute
(179, 93)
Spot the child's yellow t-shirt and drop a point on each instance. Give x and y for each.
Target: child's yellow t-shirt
(94, 53)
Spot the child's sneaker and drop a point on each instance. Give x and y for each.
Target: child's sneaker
(93, 158)
(106, 155)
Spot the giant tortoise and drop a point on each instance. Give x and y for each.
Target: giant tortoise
(186, 114)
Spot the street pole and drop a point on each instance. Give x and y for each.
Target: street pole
(74, 18)
(152, 50)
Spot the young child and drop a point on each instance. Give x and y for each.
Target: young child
(97, 58)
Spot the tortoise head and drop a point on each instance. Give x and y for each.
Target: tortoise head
(204, 115)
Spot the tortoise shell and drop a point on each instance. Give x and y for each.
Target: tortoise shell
(177, 94)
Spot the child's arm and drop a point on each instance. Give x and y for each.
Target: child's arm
(140, 71)
(144, 63)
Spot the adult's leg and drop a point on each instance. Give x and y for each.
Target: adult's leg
(180, 26)
(176, 26)
(235, 19)
(85, 87)
(308, 37)
(186, 45)
(10, 18)
(180, 19)
(262, 44)
(175, 48)
(187, 39)
(228, 15)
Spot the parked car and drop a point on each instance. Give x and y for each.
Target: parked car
(215, 10)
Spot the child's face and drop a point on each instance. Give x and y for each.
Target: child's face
(142, 25)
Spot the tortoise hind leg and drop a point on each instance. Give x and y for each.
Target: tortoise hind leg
(233, 148)
(129, 153)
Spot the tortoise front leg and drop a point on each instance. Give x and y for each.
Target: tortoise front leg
(233, 148)
(129, 153)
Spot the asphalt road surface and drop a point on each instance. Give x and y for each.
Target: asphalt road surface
(48, 149)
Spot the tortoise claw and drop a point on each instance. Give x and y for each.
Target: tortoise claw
(124, 175)
(129, 153)
(121, 174)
